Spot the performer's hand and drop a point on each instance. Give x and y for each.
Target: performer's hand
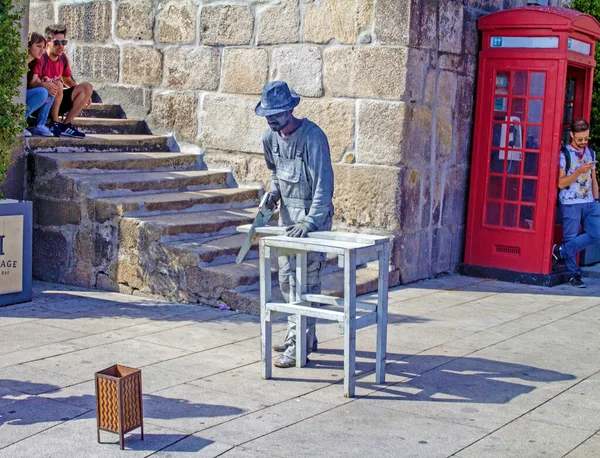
(297, 230)
(271, 201)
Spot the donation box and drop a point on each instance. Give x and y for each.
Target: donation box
(535, 75)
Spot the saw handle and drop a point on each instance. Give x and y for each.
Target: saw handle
(263, 201)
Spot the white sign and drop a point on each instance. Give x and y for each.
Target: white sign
(11, 254)
(524, 42)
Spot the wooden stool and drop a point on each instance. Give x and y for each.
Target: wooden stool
(352, 249)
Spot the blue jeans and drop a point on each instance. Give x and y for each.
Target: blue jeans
(573, 217)
(38, 99)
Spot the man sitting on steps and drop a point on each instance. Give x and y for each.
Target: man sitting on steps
(54, 66)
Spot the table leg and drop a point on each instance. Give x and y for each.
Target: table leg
(301, 266)
(265, 318)
(349, 322)
(382, 305)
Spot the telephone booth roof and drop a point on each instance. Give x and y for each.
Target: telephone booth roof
(544, 17)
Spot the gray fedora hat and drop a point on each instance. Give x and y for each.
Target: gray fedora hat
(276, 98)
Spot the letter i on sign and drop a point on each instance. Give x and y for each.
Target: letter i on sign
(1, 245)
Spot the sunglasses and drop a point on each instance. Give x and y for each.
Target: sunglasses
(60, 42)
(582, 139)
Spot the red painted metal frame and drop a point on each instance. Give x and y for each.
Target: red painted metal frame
(533, 245)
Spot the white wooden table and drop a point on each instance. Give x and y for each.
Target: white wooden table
(352, 249)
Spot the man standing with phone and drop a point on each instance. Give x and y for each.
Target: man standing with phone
(577, 200)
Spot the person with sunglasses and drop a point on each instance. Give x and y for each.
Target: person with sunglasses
(54, 66)
(577, 200)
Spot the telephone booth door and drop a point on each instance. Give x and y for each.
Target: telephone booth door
(514, 205)
(574, 100)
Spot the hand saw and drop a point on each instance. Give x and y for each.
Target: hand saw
(262, 218)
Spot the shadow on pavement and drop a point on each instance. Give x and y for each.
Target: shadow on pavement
(23, 409)
(71, 305)
(458, 283)
(436, 378)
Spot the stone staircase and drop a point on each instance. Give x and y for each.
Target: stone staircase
(125, 210)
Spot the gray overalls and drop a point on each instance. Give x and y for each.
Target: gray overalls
(302, 177)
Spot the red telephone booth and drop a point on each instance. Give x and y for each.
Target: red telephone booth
(535, 75)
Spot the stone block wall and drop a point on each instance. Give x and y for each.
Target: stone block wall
(391, 82)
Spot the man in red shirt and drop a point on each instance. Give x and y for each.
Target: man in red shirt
(54, 67)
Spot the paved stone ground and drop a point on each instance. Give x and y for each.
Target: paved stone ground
(476, 368)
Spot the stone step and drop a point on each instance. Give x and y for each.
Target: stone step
(213, 250)
(103, 110)
(226, 280)
(246, 297)
(110, 162)
(99, 143)
(244, 276)
(186, 225)
(111, 126)
(218, 250)
(116, 184)
(170, 202)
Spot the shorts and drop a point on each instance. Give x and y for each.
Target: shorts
(67, 102)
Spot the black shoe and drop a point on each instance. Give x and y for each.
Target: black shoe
(576, 281)
(556, 254)
(69, 130)
(55, 129)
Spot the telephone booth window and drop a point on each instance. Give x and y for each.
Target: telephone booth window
(514, 151)
(568, 113)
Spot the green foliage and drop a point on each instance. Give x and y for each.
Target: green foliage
(592, 7)
(12, 67)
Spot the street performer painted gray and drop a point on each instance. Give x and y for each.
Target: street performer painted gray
(297, 153)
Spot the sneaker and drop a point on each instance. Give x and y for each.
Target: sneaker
(55, 129)
(42, 131)
(284, 362)
(69, 130)
(556, 253)
(26, 133)
(576, 281)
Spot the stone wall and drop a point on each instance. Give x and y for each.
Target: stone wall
(390, 81)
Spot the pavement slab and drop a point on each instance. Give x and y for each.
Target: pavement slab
(77, 438)
(38, 353)
(241, 452)
(82, 364)
(24, 418)
(475, 368)
(32, 380)
(524, 437)
(194, 446)
(32, 334)
(189, 408)
(356, 429)
(263, 422)
(587, 449)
